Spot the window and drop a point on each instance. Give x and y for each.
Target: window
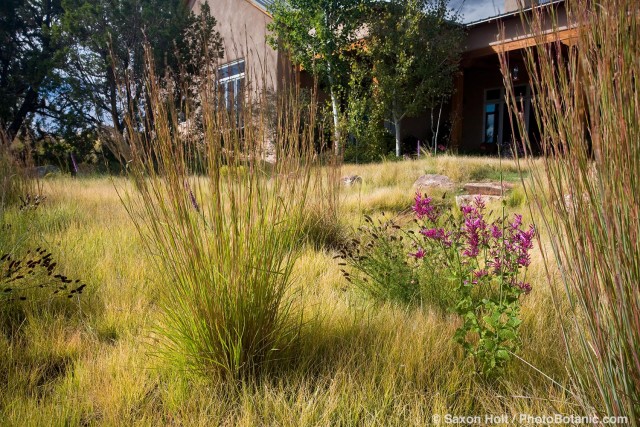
(231, 83)
(497, 127)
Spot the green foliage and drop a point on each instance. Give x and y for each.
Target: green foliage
(318, 35)
(31, 51)
(414, 48)
(487, 263)
(378, 265)
(65, 62)
(107, 53)
(369, 140)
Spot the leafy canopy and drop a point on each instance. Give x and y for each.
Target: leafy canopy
(415, 47)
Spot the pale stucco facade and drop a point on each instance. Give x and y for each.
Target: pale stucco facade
(473, 128)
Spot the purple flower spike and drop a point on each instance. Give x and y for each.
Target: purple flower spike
(423, 208)
(419, 254)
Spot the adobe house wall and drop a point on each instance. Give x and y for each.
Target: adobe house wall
(243, 26)
(488, 33)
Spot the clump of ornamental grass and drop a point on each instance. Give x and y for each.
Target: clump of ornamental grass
(224, 226)
(587, 190)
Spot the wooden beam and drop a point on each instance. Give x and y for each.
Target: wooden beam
(568, 36)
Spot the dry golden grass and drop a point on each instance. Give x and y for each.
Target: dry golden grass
(357, 364)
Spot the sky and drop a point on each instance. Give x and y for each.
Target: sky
(473, 10)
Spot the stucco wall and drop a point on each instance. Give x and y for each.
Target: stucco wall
(483, 35)
(243, 26)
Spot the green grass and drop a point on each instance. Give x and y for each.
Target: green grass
(355, 364)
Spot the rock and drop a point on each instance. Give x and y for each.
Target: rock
(434, 181)
(488, 188)
(468, 199)
(42, 171)
(351, 180)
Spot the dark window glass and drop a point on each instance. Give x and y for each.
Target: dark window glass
(491, 122)
(493, 94)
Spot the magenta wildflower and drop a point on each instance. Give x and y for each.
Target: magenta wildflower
(517, 221)
(523, 286)
(478, 202)
(419, 254)
(423, 208)
(496, 231)
(480, 273)
(433, 233)
(437, 234)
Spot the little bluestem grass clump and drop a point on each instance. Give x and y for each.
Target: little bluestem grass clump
(223, 226)
(586, 189)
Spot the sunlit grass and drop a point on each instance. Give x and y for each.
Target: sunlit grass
(356, 363)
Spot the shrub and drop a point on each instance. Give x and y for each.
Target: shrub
(463, 263)
(378, 263)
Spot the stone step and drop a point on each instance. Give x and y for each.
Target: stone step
(488, 188)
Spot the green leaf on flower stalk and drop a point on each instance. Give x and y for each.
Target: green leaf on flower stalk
(502, 355)
(507, 334)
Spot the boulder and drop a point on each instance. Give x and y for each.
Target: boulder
(42, 171)
(351, 180)
(488, 188)
(468, 199)
(434, 181)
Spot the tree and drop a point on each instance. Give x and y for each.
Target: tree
(414, 46)
(317, 34)
(107, 39)
(63, 64)
(31, 49)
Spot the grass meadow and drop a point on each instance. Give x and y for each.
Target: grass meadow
(219, 299)
(357, 362)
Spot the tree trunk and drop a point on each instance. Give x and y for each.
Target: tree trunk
(113, 99)
(435, 139)
(397, 124)
(335, 106)
(29, 105)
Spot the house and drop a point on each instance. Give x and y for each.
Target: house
(481, 120)
(477, 114)
(247, 56)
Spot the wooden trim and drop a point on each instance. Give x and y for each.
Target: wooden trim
(259, 8)
(568, 36)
